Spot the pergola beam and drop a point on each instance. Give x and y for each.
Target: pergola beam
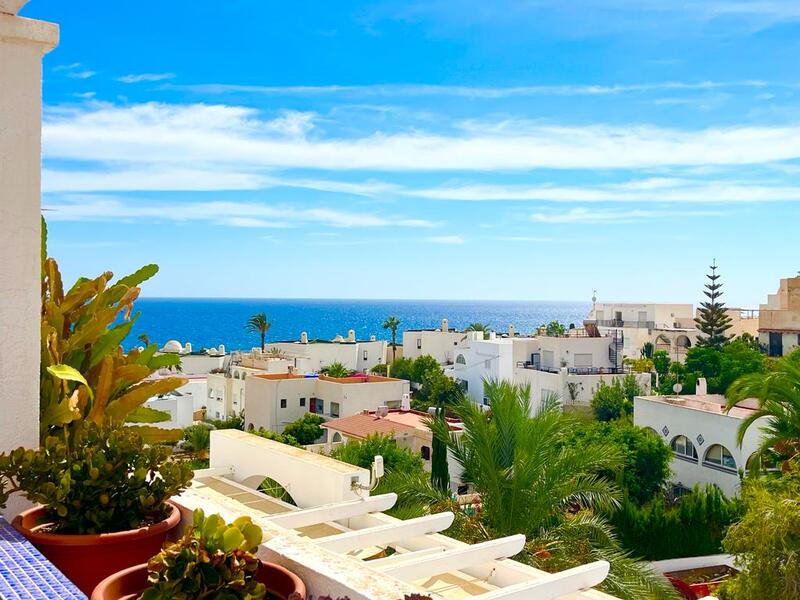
(455, 559)
(554, 585)
(333, 512)
(386, 534)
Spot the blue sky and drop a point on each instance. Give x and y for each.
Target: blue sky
(486, 150)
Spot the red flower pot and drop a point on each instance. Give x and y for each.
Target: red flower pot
(88, 559)
(130, 583)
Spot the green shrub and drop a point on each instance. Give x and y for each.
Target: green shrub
(107, 480)
(767, 541)
(210, 560)
(610, 401)
(277, 437)
(363, 452)
(695, 526)
(197, 439)
(232, 422)
(379, 369)
(305, 430)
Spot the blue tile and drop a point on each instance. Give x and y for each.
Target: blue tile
(27, 575)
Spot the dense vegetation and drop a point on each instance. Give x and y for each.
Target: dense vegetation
(306, 430)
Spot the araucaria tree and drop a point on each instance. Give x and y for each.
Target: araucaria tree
(440, 474)
(258, 324)
(392, 323)
(712, 319)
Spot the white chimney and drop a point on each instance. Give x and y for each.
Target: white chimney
(382, 411)
(405, 402)
(303, 337)
(512, 331)
(222, 348)
(187, 348)
(701, 388)
(351, 335)
(445, 325)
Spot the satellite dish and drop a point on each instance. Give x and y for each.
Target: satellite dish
(677, 388)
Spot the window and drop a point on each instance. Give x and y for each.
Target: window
(302, 401)
(583, 360)
(642, 316)
(317, 406)
(720, 457)
(419, 343)
(321, 406)
(684, 448)
(334, 409)
(426, 453)
(460, 360)
(365, 355)
(487, 364)
(283, 402)
(548, 360)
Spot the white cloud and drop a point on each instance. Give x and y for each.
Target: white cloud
(231, 135)
(424, 90)
(140, 77)
(584, 215)
(445, 239)
(75, 71)
(86, 74)
(234, 214)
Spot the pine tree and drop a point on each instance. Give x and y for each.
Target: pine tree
(712, 319)
(440, 474)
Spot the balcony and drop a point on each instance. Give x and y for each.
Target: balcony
(574, 370)
(622, 323)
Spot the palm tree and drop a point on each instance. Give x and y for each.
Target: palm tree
(258, 324)
(778, 394)
(144, 338)
(482, 327)
(336, 369)
(392, 323)
(530, 482)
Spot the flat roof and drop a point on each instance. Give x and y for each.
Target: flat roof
(710, 403)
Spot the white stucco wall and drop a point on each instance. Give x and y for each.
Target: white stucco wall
(23, 42)
(441, 345)
(715, 428)
(178, 407)
(311, 479)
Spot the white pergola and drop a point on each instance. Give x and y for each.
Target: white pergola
(433, 554)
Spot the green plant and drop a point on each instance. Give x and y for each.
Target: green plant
(481, 327)
(610, 402)
(778, 394)
(337, 370)
(440, 474)
(380, 369)
(555, 329)
(694, 526)
(259, 324)
(211, 560)
(106, 480)
(197, 439)
(305, 430)
(392, 323)
(85, 375)
(277, 437)
(647, 350)
(766, 541)
(232, 422)
(362, 452)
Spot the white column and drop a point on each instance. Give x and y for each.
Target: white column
(23, 43)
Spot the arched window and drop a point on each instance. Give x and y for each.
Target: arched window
(766, 463)
(460, 360)
(244, 374)
(684, 448)
(652, 431)
(337, 437)
(720, 457)
(236, 374)
(683, 341)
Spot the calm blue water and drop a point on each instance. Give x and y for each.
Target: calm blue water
(210, 322)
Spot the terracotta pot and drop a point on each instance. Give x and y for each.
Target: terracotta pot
(88, 559)
(130, 583)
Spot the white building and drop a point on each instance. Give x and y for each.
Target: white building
(309, 355)
(571, 366)
(668, 327)
(177, 406)
(197, 363)
(442, 344)
(278, 399)
(702, 436)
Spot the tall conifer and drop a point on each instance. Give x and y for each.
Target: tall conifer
(712, 320)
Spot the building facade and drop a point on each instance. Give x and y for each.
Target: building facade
(277, 399)
(779, 319)
(703, 437)
(441, 343)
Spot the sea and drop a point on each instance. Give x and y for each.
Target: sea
(207, 322)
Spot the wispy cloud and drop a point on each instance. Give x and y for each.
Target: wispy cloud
(485, 92)
(140, 77)
(445, 239)
(232, 135)
(584, 215)
(234, 214)
(75, 71)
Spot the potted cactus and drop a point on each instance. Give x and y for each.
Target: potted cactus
(211, 560)
(102, 483)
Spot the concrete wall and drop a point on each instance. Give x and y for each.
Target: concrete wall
(441, 345)
(311, 479)
(23, 42)
(179, 408)
(672, 420)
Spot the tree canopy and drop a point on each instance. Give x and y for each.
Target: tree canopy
(305, 430)
(712, 319)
